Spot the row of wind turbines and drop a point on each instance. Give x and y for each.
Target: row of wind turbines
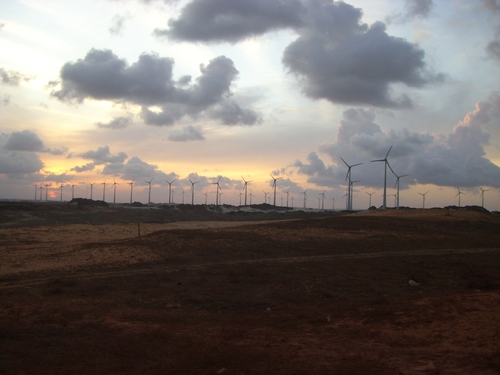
(244, 193)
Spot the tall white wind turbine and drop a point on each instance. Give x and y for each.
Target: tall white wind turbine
(170, 190)
(36, 190)
(423, 198)
(386, 163)
(104, 191)
(114, 190)
(482, 195)
(91, 188)
(274, 186)
(370, 201)
(149, 193)
(217, 192)
(348, 177)
(131, 189)
(305, 197)
(396, 185)
(458, 195)
(61, 193)
(192, 190)
(245, 188)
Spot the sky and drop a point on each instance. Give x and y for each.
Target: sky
(94, 93)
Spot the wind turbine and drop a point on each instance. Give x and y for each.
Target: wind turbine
(348, 177)
(351, 194)
(104, 191)
(288, 191)
(206, 197)
(36, 190)
(482, 195)
(370, 194)
(72, 191)
(423, 198)
(192, 190)
(91, 188)
(131, 189)
(149, 193)
(395, 198)
(305, 197)
(170, 190)
(46, 191)
(61, 188)
(41, 191)
(386, 163)
(265, 196)
(245, 188)
(183, 192)
(217, 192)
(114, 190)
(323, 199)
(333, 204)
(250, 195)
(274, 186)
(458, 195)
(292, 200)
(397, 185)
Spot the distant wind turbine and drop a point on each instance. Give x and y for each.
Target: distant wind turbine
(41, 191)
(305, 197)
(395, 198)
(131, 189)
(170, 190)
(183, 192)
(61, 192)
(287, 192)
(36, 190)
(245, 188)
(46, 191)
(72, 191)
(149, 193)
(370, 194)
(292, 201)
(104, 191)
(458, 195)
(274, 186)
(352, 193)
(206, 198)
(333, 204)
(423, 198)
(250, 195)
(217, 192)
(348, 177)
(386, 163)
(114, 190)
(265, 196)
(91, 188)
(192, 190)
(323, 199)
(397, 186)
(482, 195)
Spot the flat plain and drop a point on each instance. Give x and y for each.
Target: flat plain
(110, 290)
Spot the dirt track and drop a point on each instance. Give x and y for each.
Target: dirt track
(323, 296)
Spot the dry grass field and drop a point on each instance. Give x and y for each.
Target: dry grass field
(374, 292)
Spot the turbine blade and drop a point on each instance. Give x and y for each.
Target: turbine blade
(390, 148)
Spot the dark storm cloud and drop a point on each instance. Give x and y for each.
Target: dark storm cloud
(187, 133)
(102, 156)
(493, 47)
(102, 75)
(454, 159)
(28, 141)
(232, 20)
(358, 69)
(12, 78)
(139, 171)
(412, 9)
(335, 57)
(121, 122)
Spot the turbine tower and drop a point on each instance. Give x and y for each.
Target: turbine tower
(265, 196)
(149, 193)
(46, 191)
(192, 190)
(131, 189)
(348, 177)
(333, 204)
(386, 163)
(370, 194)
(217, 192)
(287, 192)
(91, 188)
(423, 198)
(323, 199)
(114, 190)
(274, 186)
(458, 195)
(61, 188)
(396, 185)
(482, 195)
(72, 191)
(36, 190)
(104, 191)
(305, 197)
(170, 190)
(41, 191)
(245, 187)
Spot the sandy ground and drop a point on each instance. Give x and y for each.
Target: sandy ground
(374, 292)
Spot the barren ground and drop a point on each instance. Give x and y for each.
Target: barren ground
(210, 293)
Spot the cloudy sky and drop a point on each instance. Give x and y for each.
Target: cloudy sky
(95, 92)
